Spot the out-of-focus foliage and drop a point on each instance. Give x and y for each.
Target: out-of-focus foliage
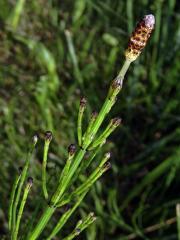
(51, 53)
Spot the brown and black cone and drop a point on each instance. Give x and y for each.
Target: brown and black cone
(139, 37)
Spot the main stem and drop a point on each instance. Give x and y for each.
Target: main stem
(48, 212)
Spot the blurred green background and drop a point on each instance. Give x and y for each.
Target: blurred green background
(51, 53)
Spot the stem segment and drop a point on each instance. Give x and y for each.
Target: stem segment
(80, 117)
(44, 180)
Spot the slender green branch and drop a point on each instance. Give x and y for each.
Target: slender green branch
(48, 138)
(12, 197)
(82, 107)
(85, 164)
(71, 152)
(97, 173)
(92, 179)
(66, 216)
(48, 212)
(22, 179)
(88, 161)
(61, 188)
(94, 175)
(81, 225)
(21, 208)
(91, 122)
(114, 123)
(32, 220)
(65, 171)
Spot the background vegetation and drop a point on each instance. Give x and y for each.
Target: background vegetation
(61, 50)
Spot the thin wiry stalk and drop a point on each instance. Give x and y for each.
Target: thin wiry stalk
(114, 123)
(81, 226)
(90, 125)
(14, 188)
(21, 208)
(22, 180)
(97, 173)
(48, 138)
(88, 161)
(82, 107)
(71, 152)
(66, 216)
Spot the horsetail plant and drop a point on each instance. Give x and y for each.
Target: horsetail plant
(75, 166)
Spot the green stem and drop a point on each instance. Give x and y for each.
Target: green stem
(87, 182)
(21, 208)
(109, 129)
(21, 181)
(81, 225)
(91, 122)
(109, 102)
(124, 69)
(65, 170)
(44, 181)
(66, 216)
(12, 200)
(79, 127)
(88, 161)
(79, 122)
(61, 189)
(48, 212)
(94, 176)
(104, 110)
